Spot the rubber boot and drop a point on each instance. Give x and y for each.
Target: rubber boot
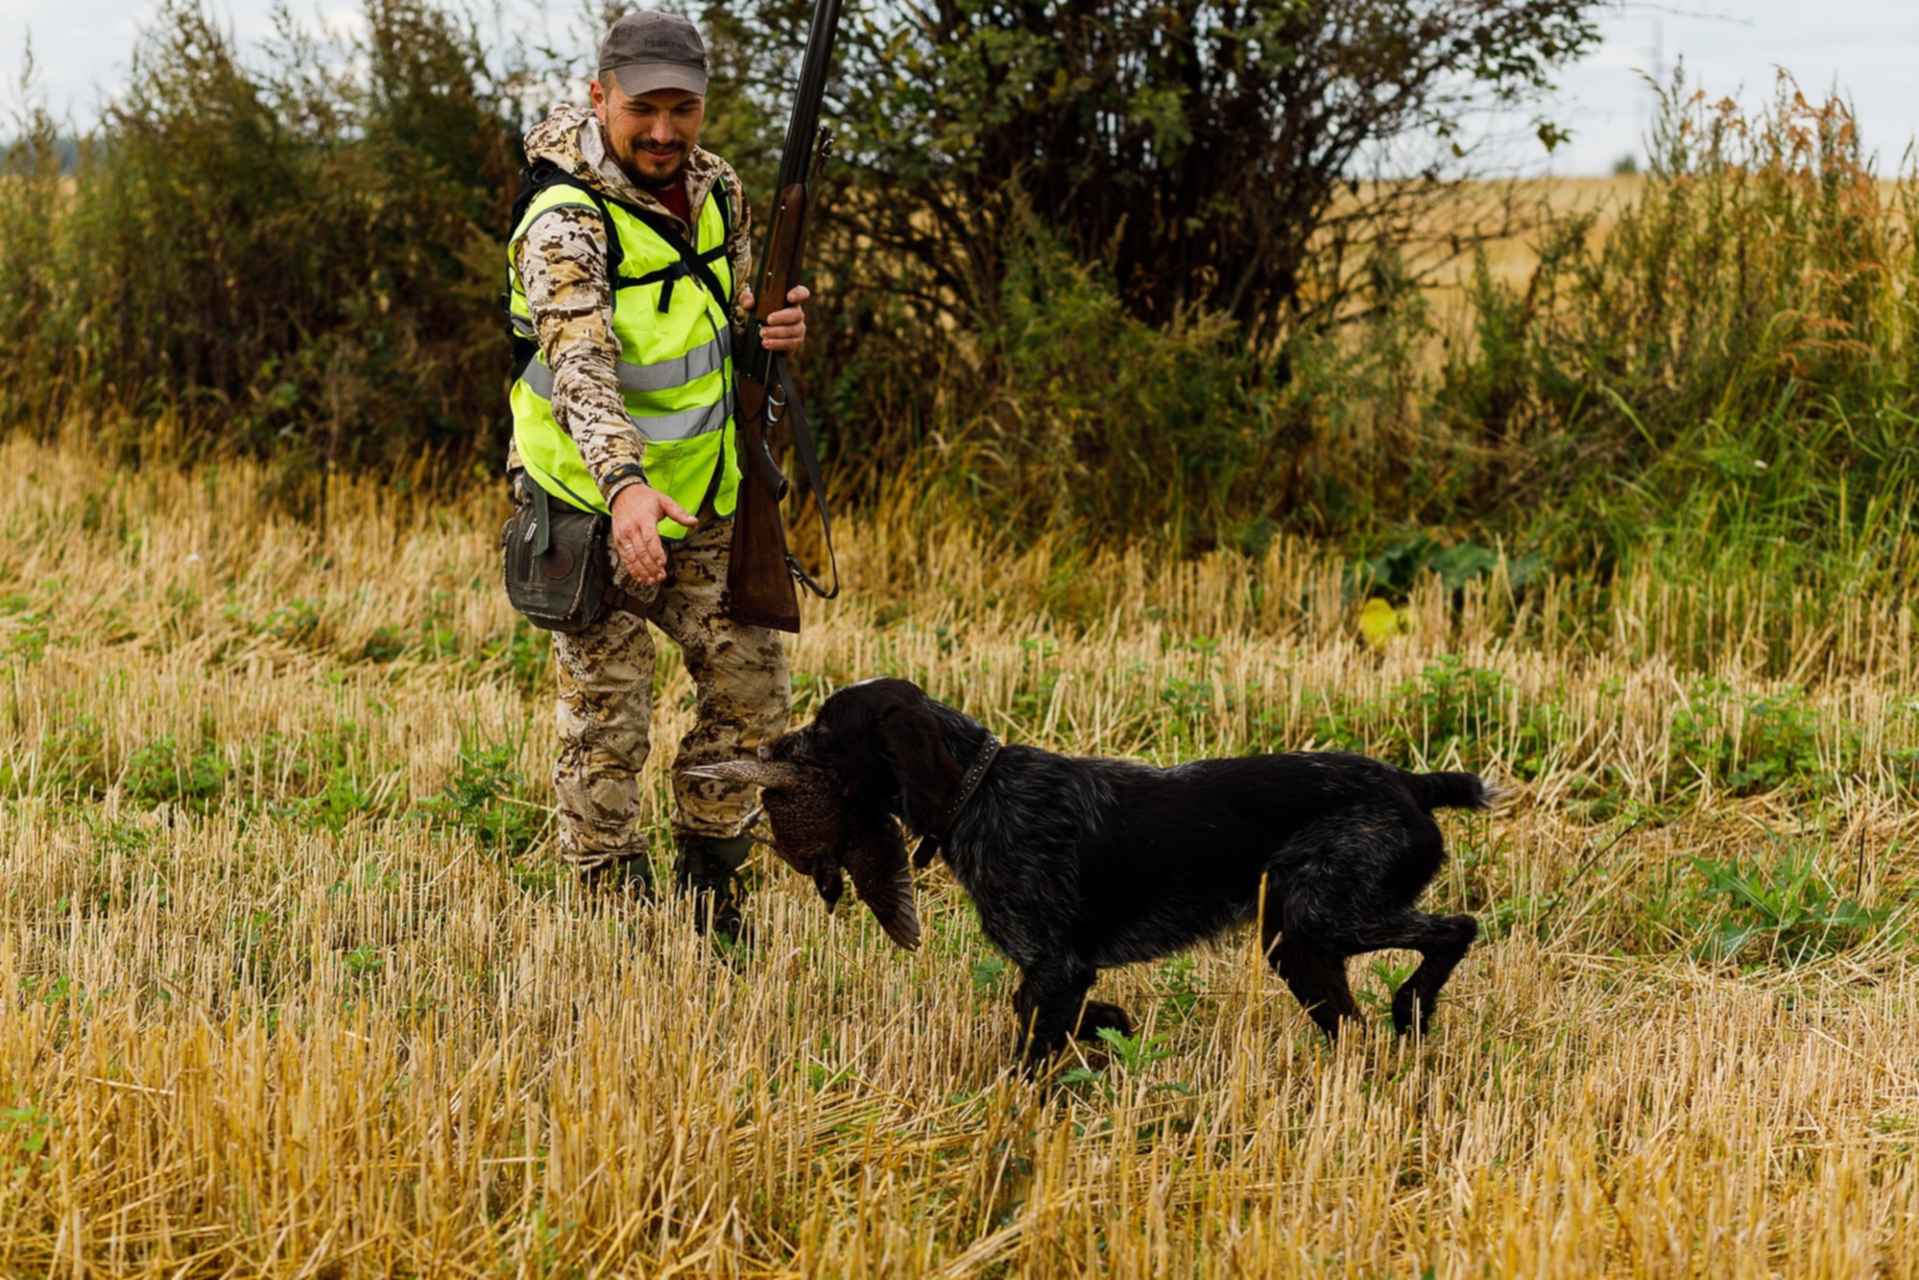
(709, 869)
(627, 875)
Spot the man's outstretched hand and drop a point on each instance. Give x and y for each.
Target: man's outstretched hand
(637, 512)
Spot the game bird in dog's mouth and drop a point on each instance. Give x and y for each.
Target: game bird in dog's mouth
(813, 834)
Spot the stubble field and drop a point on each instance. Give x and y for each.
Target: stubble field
(292, 986)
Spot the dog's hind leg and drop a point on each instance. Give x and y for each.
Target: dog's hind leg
(1047, 1004)
(1442, 942)
(1314, 971)
(1317, 978)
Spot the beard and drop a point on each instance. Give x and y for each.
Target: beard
(654, 179)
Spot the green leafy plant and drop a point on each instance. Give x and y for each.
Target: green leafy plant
(1785, 912)
(1179, 986)
(1397, 567)
(988, 972)
(157, 774)
(525, 654)
(26, 1131)
(1751, 744)
(1387, 978)
(384, 645)
(485, 797)
(1130, 1055)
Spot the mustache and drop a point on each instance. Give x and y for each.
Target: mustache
(655, 150)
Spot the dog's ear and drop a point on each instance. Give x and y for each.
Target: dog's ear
(875, 855)
(830, 883)
(928, 778)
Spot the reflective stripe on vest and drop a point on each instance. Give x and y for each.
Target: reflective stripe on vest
(682, 425)
(662, 375)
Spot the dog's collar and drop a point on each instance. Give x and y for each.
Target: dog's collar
(975, 775)
(929, 846)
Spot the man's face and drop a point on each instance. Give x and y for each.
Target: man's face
(651, 134)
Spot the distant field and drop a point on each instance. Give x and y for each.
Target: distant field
(293, 986)
(1513, 259)
(1510, 258)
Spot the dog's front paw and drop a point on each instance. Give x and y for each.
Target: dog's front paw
(1036, 1050)
(1100, 1015)
(1407, 1003)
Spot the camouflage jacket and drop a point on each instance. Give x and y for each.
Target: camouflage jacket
(561, 263)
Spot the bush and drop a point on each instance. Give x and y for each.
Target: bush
(301, 256)
(1731, 366)
(1090, 420)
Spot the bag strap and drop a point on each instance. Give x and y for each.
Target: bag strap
(542, 519)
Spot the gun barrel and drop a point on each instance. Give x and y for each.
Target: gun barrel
(796, 156)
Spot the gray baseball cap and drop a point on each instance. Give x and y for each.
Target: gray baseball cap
(648, 50)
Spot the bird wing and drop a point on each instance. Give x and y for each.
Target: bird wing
(876, 857)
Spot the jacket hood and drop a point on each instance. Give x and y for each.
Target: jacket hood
(558, 139)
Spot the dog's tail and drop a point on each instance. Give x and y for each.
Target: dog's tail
(1451, 791)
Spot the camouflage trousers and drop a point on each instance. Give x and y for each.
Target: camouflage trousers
(606, 705)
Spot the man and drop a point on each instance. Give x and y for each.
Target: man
(624, 406)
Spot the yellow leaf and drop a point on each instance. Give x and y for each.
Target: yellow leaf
(1378, 622)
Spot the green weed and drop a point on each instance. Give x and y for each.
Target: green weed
(24, 1134)
(1128, 1058)
(525, 655)
(334, 767)
(1396, 568)
(384, 645)
(73, 759)
(1750, 744)
(988, 973)
(1787, 912)
(160, 773)
(485, 798)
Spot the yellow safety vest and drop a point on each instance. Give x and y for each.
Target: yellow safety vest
(675, 368)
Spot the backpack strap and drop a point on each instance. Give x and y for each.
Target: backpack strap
(534, 179)
(691, 261)
(542, 174)
(720, 198)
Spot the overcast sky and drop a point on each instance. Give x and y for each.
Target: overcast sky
(1867, 47)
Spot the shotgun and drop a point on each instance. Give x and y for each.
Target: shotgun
(761, 573)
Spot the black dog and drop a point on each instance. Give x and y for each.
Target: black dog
(1076, 864)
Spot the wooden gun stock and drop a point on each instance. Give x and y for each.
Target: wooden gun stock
(759, 581)
(759, 586)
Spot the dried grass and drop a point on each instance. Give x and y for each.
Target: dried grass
(249, 1034)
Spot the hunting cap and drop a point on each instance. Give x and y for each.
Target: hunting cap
(648, 50)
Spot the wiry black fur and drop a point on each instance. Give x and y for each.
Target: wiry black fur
(1076, 863)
